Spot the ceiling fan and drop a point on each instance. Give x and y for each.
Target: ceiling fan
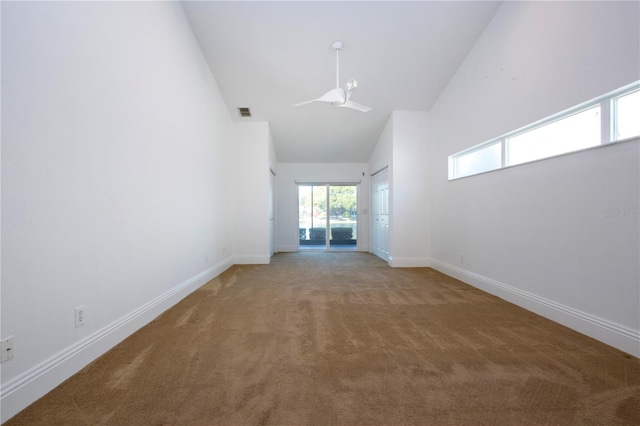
(340, 97)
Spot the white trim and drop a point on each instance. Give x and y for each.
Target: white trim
(613, 112)
(380, 170)
(616, 335)
(608, 123)
(28, 387)
(334, 182)
(409, 262)
(287, 248)
(614, 143)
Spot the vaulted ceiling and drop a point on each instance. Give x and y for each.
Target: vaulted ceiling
(269, 56)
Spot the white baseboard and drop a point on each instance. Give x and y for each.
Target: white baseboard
(287, 248)
(409, 262)
(25, 389)
(616, 335)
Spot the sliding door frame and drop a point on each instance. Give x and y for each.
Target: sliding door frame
(328, 186)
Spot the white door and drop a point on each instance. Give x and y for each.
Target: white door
(380, 214)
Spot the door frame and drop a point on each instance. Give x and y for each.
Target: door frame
(272, 212)
(327, 186)
(380, 214)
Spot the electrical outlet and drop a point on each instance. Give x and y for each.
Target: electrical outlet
(6, 345)
(462, 259)
(79, 316)
(206, 258)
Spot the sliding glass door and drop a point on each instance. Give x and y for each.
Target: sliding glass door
(328, 216)
(312, 216)
(343, 218)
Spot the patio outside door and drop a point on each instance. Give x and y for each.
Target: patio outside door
(328, 216)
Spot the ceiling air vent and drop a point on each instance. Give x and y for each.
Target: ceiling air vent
(244, 112)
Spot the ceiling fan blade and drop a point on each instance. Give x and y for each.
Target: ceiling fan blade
(333, 96)
(340, 97)
(304, 103)
(356, 106)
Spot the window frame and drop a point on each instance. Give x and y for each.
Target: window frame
(549, 122)
(473, 150)
(614, 111)
(608, 126)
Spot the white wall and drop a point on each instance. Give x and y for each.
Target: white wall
(253, 154)
(403, 147)
(287, 197)
(538, 234)
(273, 159)
(115, 180)
(409, 245)
(382, 155)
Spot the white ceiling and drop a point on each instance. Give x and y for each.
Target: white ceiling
(269, 56)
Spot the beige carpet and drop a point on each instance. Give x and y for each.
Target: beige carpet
(343, 339)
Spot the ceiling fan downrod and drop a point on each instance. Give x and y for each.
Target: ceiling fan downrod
(339, 97)
(337, 45)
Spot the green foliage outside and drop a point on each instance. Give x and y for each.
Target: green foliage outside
(342, 200)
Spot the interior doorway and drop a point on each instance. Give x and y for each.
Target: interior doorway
(328, 216)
